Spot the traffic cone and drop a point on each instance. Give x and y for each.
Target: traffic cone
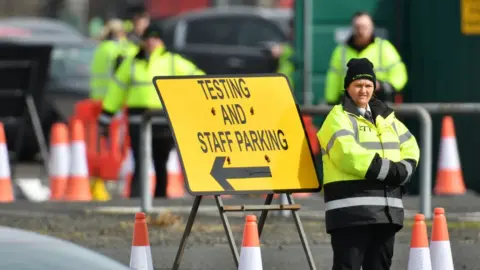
(250, 255)
(124, 174)
(449, 175)
(6, 186)
(78, 186)
(175, 184)
(59, 162)
(440, 244)
(129, 176)
(141, 255)
(419, 258)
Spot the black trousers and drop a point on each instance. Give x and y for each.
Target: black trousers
(162, 144)
(369, 247)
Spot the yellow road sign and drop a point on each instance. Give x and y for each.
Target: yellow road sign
(238, 135)
(470, 13)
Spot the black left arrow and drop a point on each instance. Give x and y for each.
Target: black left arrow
(222, 174)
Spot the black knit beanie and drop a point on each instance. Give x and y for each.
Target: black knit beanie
(359, 68)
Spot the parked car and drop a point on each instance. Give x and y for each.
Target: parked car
(24, 250)
(68, 72)
(231, 40)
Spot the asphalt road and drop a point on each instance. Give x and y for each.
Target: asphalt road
(107, 228)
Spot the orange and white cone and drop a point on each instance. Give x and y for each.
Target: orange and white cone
(419, 258)
(78, 185)
(126, 190)
(449, 175)
(59, 162)
(250, 255)
(141, 254)
(125, 172)
(440, 245)
(175, 183)
(6, 186)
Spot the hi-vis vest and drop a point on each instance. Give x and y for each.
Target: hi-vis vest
(286, 66)
(132, 85)
(103, 66)
(388, 67)
(348, 144)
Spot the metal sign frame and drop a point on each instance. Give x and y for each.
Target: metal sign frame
(222, 208)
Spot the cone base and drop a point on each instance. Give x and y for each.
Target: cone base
(441, 255)
(58, 187)
(78, 189)
(6, 191)
(419, 258)
(450, 182)
(250, 259)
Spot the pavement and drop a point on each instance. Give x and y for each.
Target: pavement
(107, 228)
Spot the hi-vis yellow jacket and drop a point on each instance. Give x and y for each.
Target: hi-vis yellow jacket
(365, 165)
(132, 85)
(388, 67)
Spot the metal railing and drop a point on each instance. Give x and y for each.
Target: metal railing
(421, 111)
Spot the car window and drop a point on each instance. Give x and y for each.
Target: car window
(71, 61)
(255, 32)
(219, 31)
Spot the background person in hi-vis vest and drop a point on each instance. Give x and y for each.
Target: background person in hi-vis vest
(132, 87)
(390, 70)
(368, 156)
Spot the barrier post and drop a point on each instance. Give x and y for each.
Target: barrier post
(426, 141)
(144, 163)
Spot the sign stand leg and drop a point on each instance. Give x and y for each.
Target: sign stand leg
(263, 216)
(186, 233)
(228, 229)
(301, 233)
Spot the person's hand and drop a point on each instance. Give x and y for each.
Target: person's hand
(276, 50)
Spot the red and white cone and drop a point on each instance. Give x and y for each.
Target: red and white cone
(440, 245)
(141, 255)
(250, 255)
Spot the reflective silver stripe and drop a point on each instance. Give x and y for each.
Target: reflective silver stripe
(137, 119)
(120, 83)
(353, 120)
(172, 67)
(409, 168)
(405, 137)
(323, 151)
(380, 146)
(380, 56)
(371, 145)
(395, 128)
(138, 83)
(344, 57)
(335, 136)
(364, 201)
(382, 174)
(104, 118)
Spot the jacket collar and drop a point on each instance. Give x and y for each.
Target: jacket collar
(377, 107)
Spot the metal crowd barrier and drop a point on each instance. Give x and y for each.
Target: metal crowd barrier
(421, 111)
